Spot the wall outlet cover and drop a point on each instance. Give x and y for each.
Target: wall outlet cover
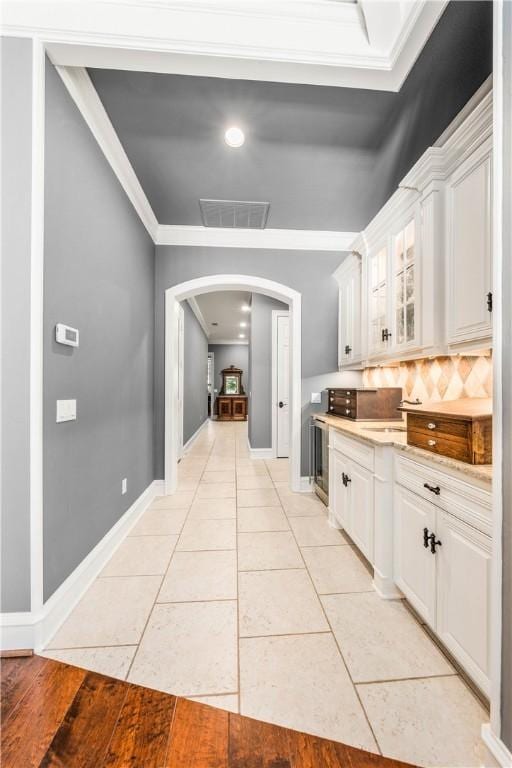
(66, 410)
(316, 397)
(124, 485)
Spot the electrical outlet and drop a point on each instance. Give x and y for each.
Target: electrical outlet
(316, 397)
(124, 485)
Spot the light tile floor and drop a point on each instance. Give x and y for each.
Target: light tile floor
(236, 592)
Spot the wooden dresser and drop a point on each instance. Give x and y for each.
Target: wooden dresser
(460, 429)
(232, 407)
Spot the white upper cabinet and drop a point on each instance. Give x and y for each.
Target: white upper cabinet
(426, 258)
(468, 250)
(350, 336)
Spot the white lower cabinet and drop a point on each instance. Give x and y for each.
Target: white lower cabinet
(415, 568)
(351, 500)
(442, 565)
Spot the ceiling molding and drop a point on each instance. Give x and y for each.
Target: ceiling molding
(325, 43)
(194, 306)
(278, 239)
(83, 93)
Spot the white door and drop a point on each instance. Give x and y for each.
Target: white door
(339, 499)
(360, 488)
(469, 260)
(414, 564)
(463, 594)
(181, 365)
(283, 386)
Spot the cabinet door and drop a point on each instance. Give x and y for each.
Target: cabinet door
(378, 314)
(339, 500)
(360, 490)
(463, 595)
(350, 336)
(403, 294)
(469, 277)
(414, 565)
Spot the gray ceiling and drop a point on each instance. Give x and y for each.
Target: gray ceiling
(310, 151)
(225, 309)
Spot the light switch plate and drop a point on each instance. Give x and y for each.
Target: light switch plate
(316, 397)
(66, 410)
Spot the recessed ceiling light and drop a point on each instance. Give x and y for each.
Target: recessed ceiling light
(234, 136)
(243, 325)
(241, 335)
(246, 308)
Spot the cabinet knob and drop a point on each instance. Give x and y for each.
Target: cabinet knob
(431, 425)
(347, 411)
(431, 442)
(347, 401)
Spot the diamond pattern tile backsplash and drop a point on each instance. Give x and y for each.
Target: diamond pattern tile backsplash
(441, 378)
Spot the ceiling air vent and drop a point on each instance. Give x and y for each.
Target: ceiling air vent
(234, 214)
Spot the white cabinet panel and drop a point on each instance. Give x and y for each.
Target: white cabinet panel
(360, 489)
(339, 500)
(463, 591)
(414, 564)
(469, 267)
(349, 312)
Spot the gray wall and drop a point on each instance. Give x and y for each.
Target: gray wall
(260, 386)
(16, 115)
(308, 272)
(195, 393)
(453, 64)
(99, 277)
(226, 355)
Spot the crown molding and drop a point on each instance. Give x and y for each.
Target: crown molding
(194, 306)
(278, 239)
(326, 43)
(83, 93)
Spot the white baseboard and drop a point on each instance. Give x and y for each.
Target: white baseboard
(306, 486)
(34, 630)
(496, 747)
(260, 453)
(196, 433)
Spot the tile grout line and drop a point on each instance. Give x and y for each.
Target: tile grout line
(339, 650)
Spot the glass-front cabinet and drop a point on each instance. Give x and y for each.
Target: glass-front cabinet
(404, 283)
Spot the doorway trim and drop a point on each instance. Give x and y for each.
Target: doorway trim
(208, 284)
(275, 314)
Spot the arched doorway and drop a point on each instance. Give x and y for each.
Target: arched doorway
(208, 284)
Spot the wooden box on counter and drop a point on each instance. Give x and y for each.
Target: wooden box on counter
(460, 429)
(366, 403)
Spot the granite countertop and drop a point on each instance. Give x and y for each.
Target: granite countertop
(361, 430)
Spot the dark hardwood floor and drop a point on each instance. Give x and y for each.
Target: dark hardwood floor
(54, 714)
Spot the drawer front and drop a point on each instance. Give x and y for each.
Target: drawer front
(348, 411)
(433, 426)
(454, 448)
(359, 452)
(467, 502)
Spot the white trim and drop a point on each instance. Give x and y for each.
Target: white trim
(35, 629)
(275, 314)
(36, 327)
(260, 453)
(83, 93)
(326, 42)
(282, 239)
(196, 434)
(209, 284)
(306, 484)
(496, 747)
(194, 306)
(227, 341)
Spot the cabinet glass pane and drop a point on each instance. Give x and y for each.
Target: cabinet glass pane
(400, 325)
(409, 283)
(400, 289)
(409, 320)
(399, 251)
(409, 238)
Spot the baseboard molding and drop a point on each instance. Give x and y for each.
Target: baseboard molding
(496, 747)
(306, 486)
(260, 453)
(196, 433)
(34, 630)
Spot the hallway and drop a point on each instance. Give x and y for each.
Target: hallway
(236, 592)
